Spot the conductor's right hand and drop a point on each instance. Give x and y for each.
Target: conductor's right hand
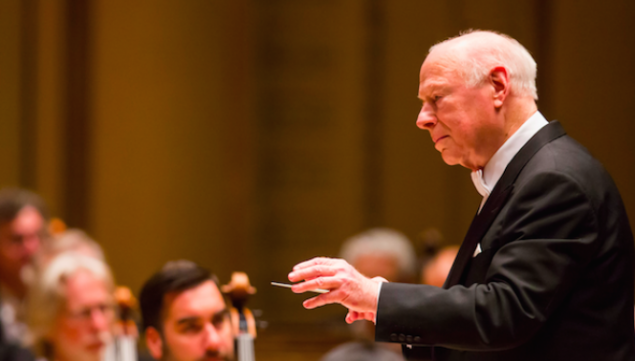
(345, 284)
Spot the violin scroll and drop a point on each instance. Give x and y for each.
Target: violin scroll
(243, 322)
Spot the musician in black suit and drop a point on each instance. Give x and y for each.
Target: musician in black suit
(546, 269)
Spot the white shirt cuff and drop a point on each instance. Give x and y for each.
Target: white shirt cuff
(378, 292)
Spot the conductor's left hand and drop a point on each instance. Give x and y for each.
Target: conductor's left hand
(346, 286)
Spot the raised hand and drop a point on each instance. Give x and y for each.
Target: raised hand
(346, 286)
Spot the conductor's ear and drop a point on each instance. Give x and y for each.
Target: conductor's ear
(499, 80)
(154, 342)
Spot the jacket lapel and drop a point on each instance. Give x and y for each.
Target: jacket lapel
(483, 220)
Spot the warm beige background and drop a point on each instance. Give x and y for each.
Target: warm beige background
(250, 135)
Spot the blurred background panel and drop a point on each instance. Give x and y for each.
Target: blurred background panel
(10, 70)
(250, 135)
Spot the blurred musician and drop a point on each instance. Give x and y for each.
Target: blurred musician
(436, 270)
(23, 220)
(73, 240)
(382, 252)
(71, 308)
(184, 315)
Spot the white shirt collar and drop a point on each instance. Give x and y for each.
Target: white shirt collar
(485, 179)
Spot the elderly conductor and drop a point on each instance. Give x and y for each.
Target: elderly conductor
(545, 271)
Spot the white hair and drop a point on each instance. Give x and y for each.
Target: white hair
(74, 239)
(47, 294)
(477, 52)
(382, 241)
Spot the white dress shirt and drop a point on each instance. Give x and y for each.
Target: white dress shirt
(485, 179)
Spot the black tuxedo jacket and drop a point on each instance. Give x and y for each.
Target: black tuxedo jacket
(554, 280)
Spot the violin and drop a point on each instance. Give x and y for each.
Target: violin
(243, 322)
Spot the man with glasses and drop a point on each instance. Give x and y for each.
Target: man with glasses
(71, 309)
(184, 315)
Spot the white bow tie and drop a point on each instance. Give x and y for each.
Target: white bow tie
(479, 183)
(481, 187)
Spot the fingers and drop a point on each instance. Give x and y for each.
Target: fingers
(316, 267)
(324, 283)
(351, 301)
(369, 316)
(314, 302)
(323, 299)
(311, 273)
(313, 262)
(353, 316)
